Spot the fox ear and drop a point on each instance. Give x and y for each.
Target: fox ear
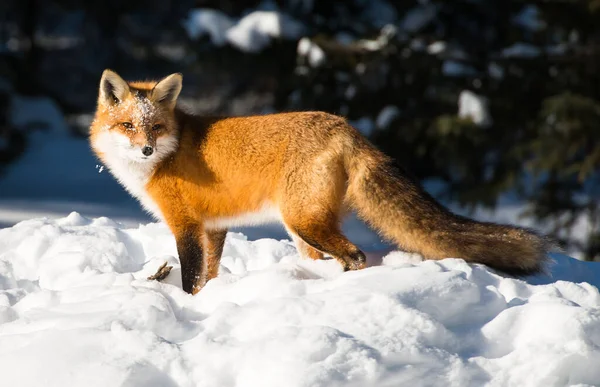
(167, 89)
(113, 89)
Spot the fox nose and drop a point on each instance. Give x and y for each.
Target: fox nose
(147, 150)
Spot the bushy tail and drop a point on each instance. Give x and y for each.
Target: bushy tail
(396, 206)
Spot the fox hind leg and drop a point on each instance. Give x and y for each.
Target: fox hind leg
(311, 206)
(331, 241)
(318, 233)
(305, 250)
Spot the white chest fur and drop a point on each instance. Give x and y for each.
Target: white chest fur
(129, 167)
(134, 176)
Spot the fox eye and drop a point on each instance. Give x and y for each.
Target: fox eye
(157, 127)
(127, 125)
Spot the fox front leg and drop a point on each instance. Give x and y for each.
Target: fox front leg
(191, 257)
(212, 247)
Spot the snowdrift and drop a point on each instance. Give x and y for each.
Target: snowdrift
(76, 310)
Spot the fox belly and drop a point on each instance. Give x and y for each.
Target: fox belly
(268, 213)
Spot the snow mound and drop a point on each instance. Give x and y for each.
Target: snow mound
(76, 309)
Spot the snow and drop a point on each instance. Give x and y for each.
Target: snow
(76, 309)
(255, 30)
(204, 21)
(475, 107)
(251, 33)
(372, 45)
(436, 47)
(309, 49)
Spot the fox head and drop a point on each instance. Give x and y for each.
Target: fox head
(135, 121)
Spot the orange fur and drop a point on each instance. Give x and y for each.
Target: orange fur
(303, 168)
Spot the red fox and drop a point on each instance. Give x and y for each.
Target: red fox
(202, 175)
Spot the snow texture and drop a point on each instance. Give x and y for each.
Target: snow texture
(76, 309)
(475, 107)
(251, 33)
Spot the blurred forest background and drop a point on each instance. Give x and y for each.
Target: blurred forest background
(485, 101)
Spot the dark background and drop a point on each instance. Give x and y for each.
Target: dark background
(491, 103)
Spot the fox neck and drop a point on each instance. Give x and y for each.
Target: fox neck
(134, 175)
